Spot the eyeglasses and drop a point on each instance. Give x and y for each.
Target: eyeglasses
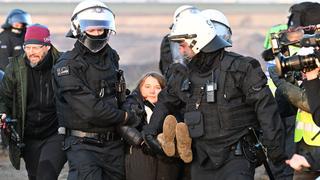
(35, 49)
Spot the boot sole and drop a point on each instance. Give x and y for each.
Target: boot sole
(169, 126)
(184, 142)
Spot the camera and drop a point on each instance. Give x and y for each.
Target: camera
(280, 41)
(285, 62)
(296, 63)
(312, 40)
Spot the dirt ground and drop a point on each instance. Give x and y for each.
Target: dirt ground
(140, 28)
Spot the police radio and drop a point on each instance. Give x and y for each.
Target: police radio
(211, 88)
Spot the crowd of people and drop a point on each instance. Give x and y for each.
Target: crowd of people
(209, 115)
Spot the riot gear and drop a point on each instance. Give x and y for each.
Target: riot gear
(220, 22)
(92, 15)
(183, 10)
(198, 32)
(11, 38)
(17, 16)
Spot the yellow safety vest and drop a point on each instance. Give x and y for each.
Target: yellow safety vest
(306, 129)
(271, 86)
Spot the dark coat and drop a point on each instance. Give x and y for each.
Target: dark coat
(14, 83)
(10, 46)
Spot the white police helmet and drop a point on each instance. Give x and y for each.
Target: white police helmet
(184, 9)
(220, 23)
(92, 14)
(198, 32)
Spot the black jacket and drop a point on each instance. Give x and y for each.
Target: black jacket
(165, 55)
(85, 89)
(10, 46)
(41, 117)
(243, 100)
(14, 86)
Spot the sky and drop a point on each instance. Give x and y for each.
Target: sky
(175, 1)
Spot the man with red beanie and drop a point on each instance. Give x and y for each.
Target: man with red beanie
(26, 94)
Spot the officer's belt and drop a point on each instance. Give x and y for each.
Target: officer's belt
(108, 136)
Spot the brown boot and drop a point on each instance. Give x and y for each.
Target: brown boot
(166, 138)
(184, 142)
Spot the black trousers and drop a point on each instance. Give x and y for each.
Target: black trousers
(235, 168)
(140, 166)
(44, 159)
(91, 162)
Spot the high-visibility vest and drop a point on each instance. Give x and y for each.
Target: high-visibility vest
(306, 129)
(271, 86)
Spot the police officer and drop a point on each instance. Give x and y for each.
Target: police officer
(11, 38)
(224, 94)
(87, 82)
(169, 53)
(26, 94)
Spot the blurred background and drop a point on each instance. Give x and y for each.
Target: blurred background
(141, 25)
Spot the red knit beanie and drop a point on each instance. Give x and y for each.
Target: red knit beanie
(37, 34)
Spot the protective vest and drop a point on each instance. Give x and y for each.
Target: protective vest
(306, 129)
(101, 80)
(272, 86)
(227, 118)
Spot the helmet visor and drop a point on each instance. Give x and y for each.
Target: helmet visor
(95, 24)
(96, 18)
(20, 18)
(222, 31)
(176, 55)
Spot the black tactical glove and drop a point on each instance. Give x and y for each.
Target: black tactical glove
(131, 135)
(277, 80)
(146, 150)
(135, 115)
(152, 145)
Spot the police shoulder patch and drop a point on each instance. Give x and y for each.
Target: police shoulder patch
(63, 71)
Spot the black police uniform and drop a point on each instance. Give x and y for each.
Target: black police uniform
(10, 46)
(165, 55)
(220, 118)
(87, 106)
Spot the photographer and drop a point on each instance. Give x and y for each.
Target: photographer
(305, 133)
(312, 85)
(307, 144)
